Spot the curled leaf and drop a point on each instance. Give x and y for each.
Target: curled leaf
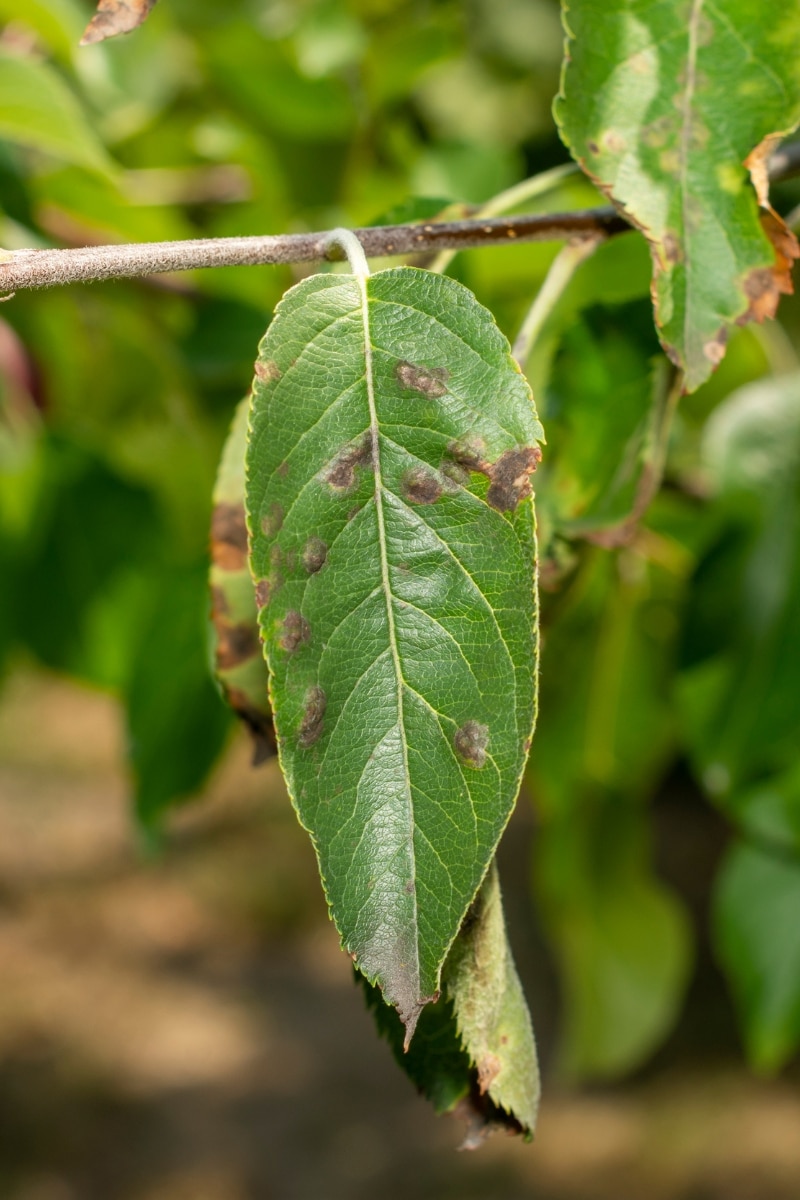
(114, 17)
(238, 662)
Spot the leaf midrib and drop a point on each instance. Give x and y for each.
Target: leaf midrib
(389, 598)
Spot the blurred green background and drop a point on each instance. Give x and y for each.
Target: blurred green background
(171, 1000)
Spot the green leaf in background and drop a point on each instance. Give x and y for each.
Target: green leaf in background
(91, 527)
(757, 935)
(176, 719)
(661, 104)
(37, 109)
(238, 661)
(474, 1048)
(604, 410)
(604, 735)
(738, 689)
(621, 937)
(58, 23)
(392, 440)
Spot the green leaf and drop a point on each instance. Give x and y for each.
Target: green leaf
(176, 720)
(604, 736)
(621, 938)
(239, 664)
(661, 104)
(490, 1009)
(604, 410)
(391, 524)
(37, 109)
(757, 934)
(58, 23)
(474, 1048)
(770, 811)
(90, 529)
(738, 690)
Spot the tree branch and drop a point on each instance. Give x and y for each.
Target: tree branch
(47, 268)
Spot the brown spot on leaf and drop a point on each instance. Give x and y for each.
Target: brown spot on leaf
(471, 741)
(267, 370)
(765, 287)
(428, 381)
(510, 477)
(673, 250)
(296, 630)
(113, 17)
(488, 1069)
(313, 715)
(283, 469)
(236, 644)
(263, 592)
(410, 887)
(259, 723)
(340, 474)
(272, 521)
(229, 537)
(420, 486)
(219, 603)
(315, 553)
(714, 350)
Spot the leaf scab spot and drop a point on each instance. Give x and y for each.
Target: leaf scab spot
(471, 741)
(489, 1068)
(267, 371)
(229, 537)
(313, 714)
(296, 631)
(263, 592)
(421, 486)
(315, 552)
(510, 477)
(272, 521)
(236, 644)
(428, 381)
(340, 474)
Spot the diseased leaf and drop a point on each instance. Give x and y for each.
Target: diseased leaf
(473, 1051)
(38, 110)
(757, 934)
(491, 1014)
(239, 664)
(114, 17)
(661, 104)
(392, 541)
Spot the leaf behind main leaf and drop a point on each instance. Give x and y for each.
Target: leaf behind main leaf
(661, 104)
(392, 544)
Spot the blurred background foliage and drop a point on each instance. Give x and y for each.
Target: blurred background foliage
(671, 644)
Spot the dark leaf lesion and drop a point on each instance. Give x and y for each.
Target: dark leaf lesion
(428, 381)
(509, 476)
(341, 473)
(313, 716)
